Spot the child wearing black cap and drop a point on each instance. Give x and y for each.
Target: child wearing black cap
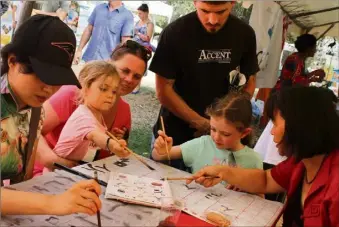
(33, 67)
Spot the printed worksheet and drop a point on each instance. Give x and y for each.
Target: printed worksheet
(138, 190)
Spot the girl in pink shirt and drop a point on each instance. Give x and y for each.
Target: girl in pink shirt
(84, 132)
(130, 60)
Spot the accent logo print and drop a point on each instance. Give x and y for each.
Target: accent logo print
(219, 56)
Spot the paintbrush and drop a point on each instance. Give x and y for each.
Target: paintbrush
(98, 213)
(187, 178)
(131, 152)
(75, 172)
(163, 129)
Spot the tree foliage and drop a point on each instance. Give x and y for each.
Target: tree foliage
(241, 12)
(180, 7)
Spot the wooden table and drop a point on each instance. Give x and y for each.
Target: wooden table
(243, 209)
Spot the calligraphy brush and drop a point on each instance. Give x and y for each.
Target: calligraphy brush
(131, 152)
(77, 173)
(98, 213)
(187, 178)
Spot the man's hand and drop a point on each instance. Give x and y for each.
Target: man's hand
(77, 57)
(14, 23)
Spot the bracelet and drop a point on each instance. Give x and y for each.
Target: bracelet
(107, 143)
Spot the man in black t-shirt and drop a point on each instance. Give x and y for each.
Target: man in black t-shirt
(192, 63)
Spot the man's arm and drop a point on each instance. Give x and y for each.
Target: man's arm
(127, 28)
(249, 62)
(14, 22)
(250, 85)
(175, 104)
(86, 35)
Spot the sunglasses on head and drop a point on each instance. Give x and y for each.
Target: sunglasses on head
(146, 53)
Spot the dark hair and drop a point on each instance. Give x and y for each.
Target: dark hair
(131, 47)
(235, 107)
(144, 8)
(305, 42)
(217, 2)
(311, 122)
(20, 57)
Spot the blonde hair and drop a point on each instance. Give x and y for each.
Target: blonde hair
(91, 72)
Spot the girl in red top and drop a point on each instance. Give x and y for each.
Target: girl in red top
(293, 71)
(306, 128)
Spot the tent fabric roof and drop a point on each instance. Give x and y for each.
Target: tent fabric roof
(315, 16)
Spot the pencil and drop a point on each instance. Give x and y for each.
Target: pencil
(163, 129)
(75, 172)
(98, 213)
(131, 152)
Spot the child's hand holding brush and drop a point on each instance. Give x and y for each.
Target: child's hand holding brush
(162, 152)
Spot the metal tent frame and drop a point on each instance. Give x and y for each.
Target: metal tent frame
(303, 18)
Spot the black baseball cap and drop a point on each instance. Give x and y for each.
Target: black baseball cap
(50, 46)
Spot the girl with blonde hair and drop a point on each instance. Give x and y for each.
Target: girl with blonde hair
(84, 132)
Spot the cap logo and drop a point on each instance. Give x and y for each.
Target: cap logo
(67, 47)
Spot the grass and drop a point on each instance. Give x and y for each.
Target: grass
(140, 140)
(145, 108)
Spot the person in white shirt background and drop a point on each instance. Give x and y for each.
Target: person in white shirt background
(16, 11)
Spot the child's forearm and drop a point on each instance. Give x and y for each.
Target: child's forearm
(99, 138)
(174, 153)
(158, 157)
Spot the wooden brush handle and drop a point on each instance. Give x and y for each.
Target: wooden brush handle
(188, 178)
(127, 149)
(163, 129)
